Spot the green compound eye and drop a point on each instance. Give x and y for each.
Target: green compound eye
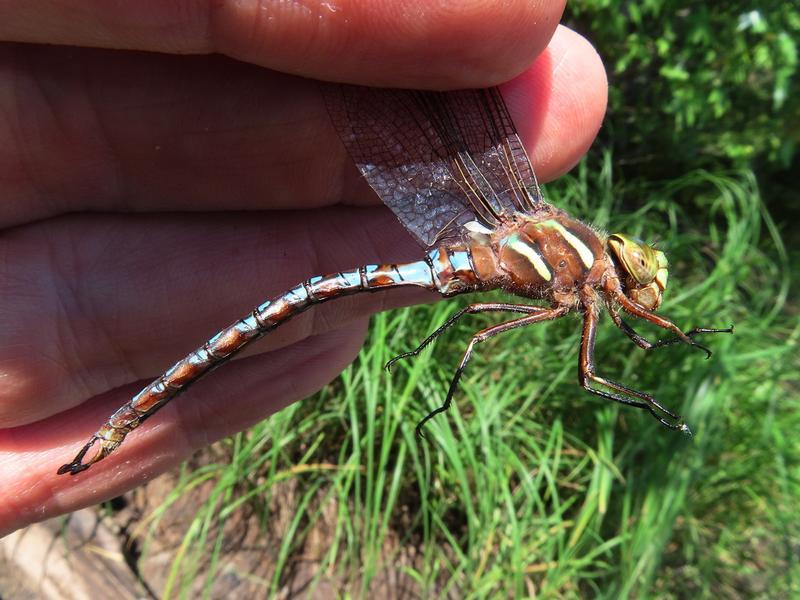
(641, 261)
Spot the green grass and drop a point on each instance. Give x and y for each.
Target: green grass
(529, 485)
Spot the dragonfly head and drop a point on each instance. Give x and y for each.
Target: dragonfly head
(643, 269)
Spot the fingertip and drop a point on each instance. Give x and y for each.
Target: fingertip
(558, 104)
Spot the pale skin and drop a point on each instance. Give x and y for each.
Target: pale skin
(140, 197)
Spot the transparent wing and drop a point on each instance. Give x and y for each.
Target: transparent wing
(437, 159)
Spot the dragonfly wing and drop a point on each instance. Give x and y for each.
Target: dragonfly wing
(437, 159)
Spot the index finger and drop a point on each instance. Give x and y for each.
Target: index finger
(435, 44)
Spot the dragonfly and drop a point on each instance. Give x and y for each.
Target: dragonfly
(452, 168)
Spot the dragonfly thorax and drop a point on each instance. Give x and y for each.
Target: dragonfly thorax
(547, 256)
(643, 269)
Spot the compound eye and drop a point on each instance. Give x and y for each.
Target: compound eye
(640, 264)
(637, 258)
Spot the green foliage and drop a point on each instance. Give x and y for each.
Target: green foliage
(699, 83)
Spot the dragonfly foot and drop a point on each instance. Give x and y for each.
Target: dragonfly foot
(388, 366)
(703, 348)
(697, 330)
(678, 423)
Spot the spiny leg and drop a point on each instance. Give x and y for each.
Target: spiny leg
(648, 345)
(471, 309)
(587, 375)
(540, 314)
(634, 309)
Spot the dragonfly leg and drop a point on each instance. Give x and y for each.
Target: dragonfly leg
(538, 315)
(634, 309)
(471, 309)
(648, 345)
(587, 376)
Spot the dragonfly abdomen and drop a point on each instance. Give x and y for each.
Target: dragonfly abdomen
(446, 271)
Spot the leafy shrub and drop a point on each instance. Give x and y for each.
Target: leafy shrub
(695, 84)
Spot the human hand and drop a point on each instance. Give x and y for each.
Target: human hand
(150, 199)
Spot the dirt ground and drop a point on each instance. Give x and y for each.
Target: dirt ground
(99, 553)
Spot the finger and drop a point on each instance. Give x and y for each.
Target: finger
(101, 131)
(92, 303)
(238, 396)
(123, 131)
(406, 43)
(559, 103)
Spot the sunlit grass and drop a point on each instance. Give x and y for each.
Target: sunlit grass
(529, 485)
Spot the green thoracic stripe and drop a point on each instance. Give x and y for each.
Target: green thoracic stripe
(573, 240)
(532, 255)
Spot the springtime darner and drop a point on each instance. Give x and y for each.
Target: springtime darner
(452, 168)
